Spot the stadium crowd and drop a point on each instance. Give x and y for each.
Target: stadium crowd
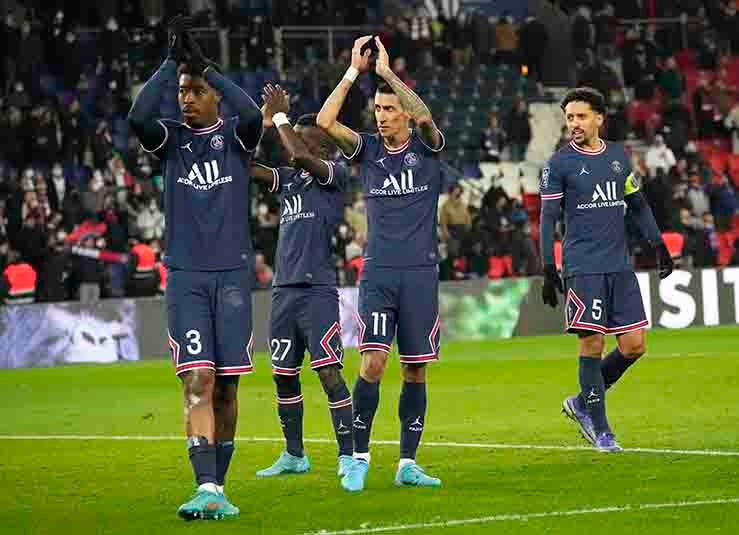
(80, 203)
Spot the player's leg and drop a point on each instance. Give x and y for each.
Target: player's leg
(234, 347)
(376, 318)
(190, 325)
(418, 344)
(586, 310)
(627, 320)
(287, 349)
(226, 411)
(319, 322)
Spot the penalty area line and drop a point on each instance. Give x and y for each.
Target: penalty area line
(522, 517)
(430, 444)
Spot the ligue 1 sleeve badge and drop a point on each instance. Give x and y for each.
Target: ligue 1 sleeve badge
(216, 142)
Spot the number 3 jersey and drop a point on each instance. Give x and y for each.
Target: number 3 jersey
(310, 211)
(591, 186)
(206, 196)
(402, 187)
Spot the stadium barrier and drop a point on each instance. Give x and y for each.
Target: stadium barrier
(127, 329)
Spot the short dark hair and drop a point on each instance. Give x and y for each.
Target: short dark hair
(194, 70)
(307, 120)
(586, 94)
(384, 88)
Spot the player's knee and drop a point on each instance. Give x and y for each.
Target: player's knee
(287, 385)
(592, 344)
(373, 365)
(226, 390)
(331, 379)
(635, 350)
(200, 383)
(414, 373)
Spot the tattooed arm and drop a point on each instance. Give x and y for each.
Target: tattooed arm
(411, 102)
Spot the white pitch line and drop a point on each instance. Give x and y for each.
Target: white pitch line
(522, 517)
(470, 445)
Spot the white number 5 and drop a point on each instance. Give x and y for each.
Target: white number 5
(597, 310)
(194, 347)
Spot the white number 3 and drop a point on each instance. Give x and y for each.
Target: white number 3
(597, 310)
(194, 346)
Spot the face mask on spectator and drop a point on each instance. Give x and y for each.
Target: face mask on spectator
(57, 172)
(146, 170)
(262, 209)
(19, 87)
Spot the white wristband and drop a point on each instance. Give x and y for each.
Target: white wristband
(280, 119)
(351, 74)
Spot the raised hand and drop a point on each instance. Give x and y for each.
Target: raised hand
(360, 57)
(176, 29)
(383, 60)
(276, 100)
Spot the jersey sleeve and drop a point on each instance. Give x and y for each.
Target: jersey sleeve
(160, 131)
(251, 134)
(363, 140)
(551, 185)
(338, 176)
(282, 175)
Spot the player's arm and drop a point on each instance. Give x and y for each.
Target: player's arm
(265, 174)
(412, 103)
(552, 194)
(276, 106)
(249, 129)
(144, 113)
(347, 139)
(638, 210)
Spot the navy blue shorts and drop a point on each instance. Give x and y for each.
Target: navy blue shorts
(405, 301)
(209, 318)
(304, 317)
(606, 303)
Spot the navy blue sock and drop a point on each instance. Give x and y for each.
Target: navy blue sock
(291, 419)
(412, 412)
(366, 399)
(593, 392)
(224, 452)
(613, 367)
(203, 459)
(340, 405)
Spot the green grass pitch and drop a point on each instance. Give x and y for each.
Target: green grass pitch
(684, 395)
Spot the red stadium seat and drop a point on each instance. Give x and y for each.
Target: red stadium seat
(508, 263)
(674, 241)
(725, 247)
(496, 267)
(734, 168)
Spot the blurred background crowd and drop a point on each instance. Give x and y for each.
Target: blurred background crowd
(80, 204)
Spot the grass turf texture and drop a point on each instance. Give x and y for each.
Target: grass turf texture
(682, 395)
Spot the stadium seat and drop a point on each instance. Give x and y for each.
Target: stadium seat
(496, 267)
(674, 241)
(725, 247)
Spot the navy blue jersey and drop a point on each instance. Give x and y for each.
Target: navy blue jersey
(591, 185)
(206, 196)
(402, 187)
(310, 209)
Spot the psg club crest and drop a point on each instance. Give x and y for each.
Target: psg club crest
(216, 142)
(411, 159)
(617, 167)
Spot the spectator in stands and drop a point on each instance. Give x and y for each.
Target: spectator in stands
(534, 37)
(88, 274)
(150, 221)
(492, 139)
(723, 201)
(455, 220)
(583, 33)
(731, 123)
(704, 108)
(267, 229)
(598, 75)
(698, 200)
(671, 80)
(519, 129)
(706, 254)
(94, 197)
(606, 28)
(52, 276)
(356, 216)
(263, 272)
(44, 145)
(30, 58)
(660, 156)
(32, 238)
(506, 40)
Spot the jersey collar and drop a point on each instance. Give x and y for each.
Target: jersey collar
(398, 150)
(589, 152)
(208, 129)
